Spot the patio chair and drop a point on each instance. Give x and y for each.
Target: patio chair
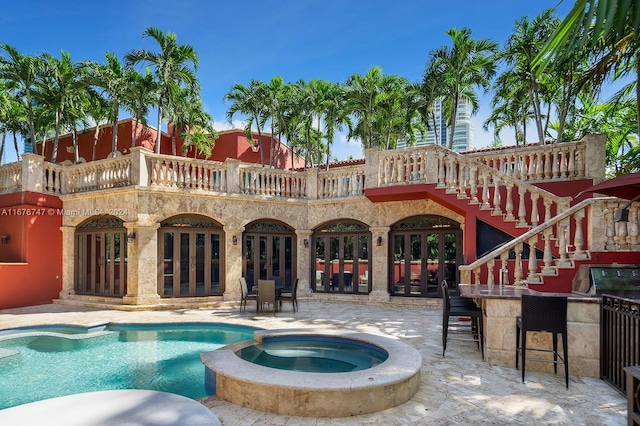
(245, 294)
(290, 297)
(543, 314)
(267, 295)
(470, 311)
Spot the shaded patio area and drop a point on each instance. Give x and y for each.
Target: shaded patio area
(457, 389)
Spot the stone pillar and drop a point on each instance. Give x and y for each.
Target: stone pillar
(304, 248)
(68, 261)
(32, 172)
(142, 264)
(234, 258)
(371, 174)
(233, 176)
(312, 183)
(380, 264)
(596, 153)
(140, 173)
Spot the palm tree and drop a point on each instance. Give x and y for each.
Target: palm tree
(98, 113)
(61, 91)
(363, 94)
(22, 72)
(246, 100)
(336, 116)
(610, 28)
(171, 68)
(14, 121)
(468, 64)
(140, 95)
(429, 91)
(114, 79)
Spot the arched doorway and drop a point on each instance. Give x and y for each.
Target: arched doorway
(101, 257)
(342, 258)
(190, 257)
(269, 252)
(424, 251)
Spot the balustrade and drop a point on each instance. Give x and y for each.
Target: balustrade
(173, 172)
(567, 231)
(95, 175)
(11, 177)
(272, 182)
(341, 183)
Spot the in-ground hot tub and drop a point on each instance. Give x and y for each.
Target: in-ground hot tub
(348, 387)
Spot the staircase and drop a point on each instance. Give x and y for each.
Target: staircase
(499, 189)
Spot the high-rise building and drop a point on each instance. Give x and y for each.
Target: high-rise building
(463, 135)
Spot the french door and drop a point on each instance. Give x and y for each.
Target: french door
(101, 258)
(268, 256)
(190, 262)
(423, 258)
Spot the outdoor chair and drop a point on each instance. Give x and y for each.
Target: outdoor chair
(267, 295)
(472, 312)
(543, 314)
(244, 291)
(290, 297)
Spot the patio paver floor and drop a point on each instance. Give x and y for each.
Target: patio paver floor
(457, 389)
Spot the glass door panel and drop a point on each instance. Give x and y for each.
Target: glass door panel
(415, 271)
(185, 263)
(399, 265)
(200, 270)
(433, 263)
(321, 265)
(215, 265)
(168, 264)
(361, 271)
(334, 271)
(450, 260)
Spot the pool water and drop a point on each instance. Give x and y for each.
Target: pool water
(317, 354)
(42, 363)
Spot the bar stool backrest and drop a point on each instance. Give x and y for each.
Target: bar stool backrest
(544, 313)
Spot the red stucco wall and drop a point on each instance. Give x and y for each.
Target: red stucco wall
(31, 261)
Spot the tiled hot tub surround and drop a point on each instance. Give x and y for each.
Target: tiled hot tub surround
(383, 386)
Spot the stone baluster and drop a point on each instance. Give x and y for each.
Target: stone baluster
(547, 209)
(578, 239)
(539, 167)
(580, 169)
(621, 236)
(610, 228)
(441, 182)
(533, 277)
(485, 192)
(563, 162)
(547, 164)
(473, 183)
(534, 208)
(555, 166)
(462, 181)
(571, 166)
(509, 217)
(547, 257)
(634, 230)
(522, 208)
(476, 275)
(490, 268)
(517, 272)
(563, 261)
(497, 211)
(504, 277)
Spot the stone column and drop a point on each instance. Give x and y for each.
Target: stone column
(304, 248)
(142, 264)
(380, 264)
(68, 261)
(32, 172)
(234, 258)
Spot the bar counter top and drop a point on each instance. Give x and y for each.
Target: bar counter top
(482, 291)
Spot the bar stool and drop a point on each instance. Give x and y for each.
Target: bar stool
(543, 314)
(462, 309)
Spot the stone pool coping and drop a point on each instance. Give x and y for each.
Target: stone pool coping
(383, 386)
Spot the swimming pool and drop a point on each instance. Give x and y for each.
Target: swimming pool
(46, 362)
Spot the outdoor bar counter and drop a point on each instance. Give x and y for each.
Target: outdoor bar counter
(501, 306)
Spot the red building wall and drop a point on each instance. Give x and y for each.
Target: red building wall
(230, 144)
(32, 254)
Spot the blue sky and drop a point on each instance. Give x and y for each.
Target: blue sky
(258, 39)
